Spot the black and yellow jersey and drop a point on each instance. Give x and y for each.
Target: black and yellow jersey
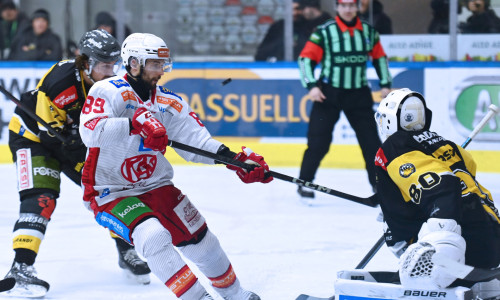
(421, 175)
(58, 100)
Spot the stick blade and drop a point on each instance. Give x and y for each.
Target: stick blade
(7, 284)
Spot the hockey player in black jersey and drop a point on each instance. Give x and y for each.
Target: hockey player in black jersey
(430, 198)
(41, 158)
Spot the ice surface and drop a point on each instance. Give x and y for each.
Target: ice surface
(279, 247)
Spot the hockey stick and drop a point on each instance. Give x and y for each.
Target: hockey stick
(492, 111)
(7, 284)
(463, 271)
(32, 114)
(370, 201)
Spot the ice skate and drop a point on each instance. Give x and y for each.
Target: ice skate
(306, 196)
(243, 294)
(28, 285)
(134, 266)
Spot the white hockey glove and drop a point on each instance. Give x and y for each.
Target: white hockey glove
(415, 265)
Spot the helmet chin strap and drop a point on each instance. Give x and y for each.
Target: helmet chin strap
(89, 73)
(89, 76)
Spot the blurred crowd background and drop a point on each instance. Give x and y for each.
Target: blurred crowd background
(220, 30)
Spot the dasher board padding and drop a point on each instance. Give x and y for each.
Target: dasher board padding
(362, 290)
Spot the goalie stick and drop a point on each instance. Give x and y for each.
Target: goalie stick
(475, 273)
(370, 201)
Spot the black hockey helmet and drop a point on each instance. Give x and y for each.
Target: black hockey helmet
(98, 44)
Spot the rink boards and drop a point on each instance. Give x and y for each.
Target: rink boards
(264, 107)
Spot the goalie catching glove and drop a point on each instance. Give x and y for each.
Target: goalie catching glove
(416, 268)
(152, 131)
(257, 174)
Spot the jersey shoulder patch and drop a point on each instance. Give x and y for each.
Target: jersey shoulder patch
(118, 83)
(164, 90)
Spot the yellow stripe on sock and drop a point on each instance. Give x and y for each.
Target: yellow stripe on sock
(26, 242)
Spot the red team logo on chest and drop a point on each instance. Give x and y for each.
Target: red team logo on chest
(138, 167)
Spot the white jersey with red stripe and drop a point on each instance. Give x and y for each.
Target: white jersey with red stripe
(118, 164)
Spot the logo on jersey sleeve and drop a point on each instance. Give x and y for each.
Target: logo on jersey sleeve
(406, 170)
(170, 102)
(138, 167)
(66, 97)
(380, 159)
(119, 83)
(93, 123)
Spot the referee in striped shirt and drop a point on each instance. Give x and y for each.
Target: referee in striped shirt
(342, 46)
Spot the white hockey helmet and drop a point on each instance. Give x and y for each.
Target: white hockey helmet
(143, 46)
(402, 109)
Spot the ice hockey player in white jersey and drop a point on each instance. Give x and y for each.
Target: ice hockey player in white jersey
(430, 198)
(127, 180)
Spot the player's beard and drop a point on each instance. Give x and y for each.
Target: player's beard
(151, 81)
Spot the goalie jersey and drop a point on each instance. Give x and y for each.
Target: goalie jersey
(420, 175)
(118, 164)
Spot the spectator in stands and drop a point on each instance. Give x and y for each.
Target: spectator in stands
(37, 42)
(104, 20)
(482, 20)
(381, 22)
(12, 22)
(314, 15)
(272, 47)
(440, 22)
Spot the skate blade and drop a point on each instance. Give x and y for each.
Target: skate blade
(141, 279)
(26, 291)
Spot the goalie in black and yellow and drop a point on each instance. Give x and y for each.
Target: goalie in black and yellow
(430, 197)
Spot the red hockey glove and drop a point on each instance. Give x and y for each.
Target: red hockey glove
(258, 173)
(152, 131)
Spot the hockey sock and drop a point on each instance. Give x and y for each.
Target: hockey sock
(154, 242)
(214, 263)
(29, 230)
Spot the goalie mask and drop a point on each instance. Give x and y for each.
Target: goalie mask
(402, 109)
(144, 46)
